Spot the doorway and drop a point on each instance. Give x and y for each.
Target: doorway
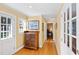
(49, 31)
(7, 34)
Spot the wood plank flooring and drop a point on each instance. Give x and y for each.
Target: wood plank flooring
(48, 49)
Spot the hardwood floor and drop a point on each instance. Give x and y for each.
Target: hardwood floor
(48, 49)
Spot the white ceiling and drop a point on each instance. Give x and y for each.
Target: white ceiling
(48, 10)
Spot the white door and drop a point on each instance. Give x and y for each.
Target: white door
(7, 34)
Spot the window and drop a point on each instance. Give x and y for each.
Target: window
(64, 27)
(74, 27)
(64, 38)
(68, 40)
(64, 17)
(68, 27)
(5, 27)
(74, 45)
(68, 14)
(73, 10)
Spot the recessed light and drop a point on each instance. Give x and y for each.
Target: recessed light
(28, 6)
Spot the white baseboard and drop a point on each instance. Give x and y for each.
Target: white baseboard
(18, 49)
(40, 46)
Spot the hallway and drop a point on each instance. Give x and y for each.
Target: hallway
(26, 25)
(48, 49)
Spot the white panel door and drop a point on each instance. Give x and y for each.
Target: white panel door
(7, 45)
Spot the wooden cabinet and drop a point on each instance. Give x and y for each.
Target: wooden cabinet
(31, 39)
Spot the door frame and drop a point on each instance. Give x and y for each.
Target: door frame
(52, 28)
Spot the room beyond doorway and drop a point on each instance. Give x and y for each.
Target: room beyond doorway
(50, 31)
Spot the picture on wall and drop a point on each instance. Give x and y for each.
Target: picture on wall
(33, 25)
(56, 26)
(22, 25)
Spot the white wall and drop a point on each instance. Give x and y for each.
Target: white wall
(45, 31)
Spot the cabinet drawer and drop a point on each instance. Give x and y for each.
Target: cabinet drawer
(31, 39)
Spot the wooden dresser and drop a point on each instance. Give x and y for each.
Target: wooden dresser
(31, 39)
